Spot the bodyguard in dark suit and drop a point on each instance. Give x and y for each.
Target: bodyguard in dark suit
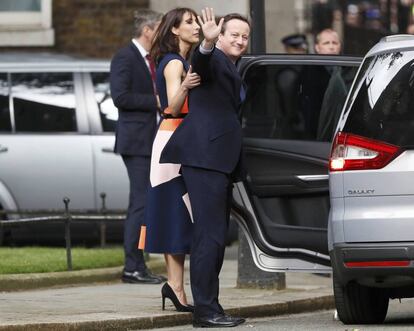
(132, 91)
(208, 144)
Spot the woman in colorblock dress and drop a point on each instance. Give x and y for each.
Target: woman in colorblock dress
(168, 212)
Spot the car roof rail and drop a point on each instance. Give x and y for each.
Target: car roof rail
(397, 37)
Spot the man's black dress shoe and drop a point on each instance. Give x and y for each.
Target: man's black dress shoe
(140, 277)
(160, 277)
(217, 321)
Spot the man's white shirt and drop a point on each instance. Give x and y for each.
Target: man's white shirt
(142, 50)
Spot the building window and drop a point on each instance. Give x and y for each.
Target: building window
(13, 5)
(26, 23)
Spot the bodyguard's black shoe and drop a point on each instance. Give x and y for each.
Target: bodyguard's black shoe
(160, 277)
(140, 277)
(217, 321)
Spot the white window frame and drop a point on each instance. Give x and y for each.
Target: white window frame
(28, 28)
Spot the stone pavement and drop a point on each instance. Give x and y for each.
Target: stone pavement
(117, 306)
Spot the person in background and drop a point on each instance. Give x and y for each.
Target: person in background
(327, 42)
(410, 29)
(287, 87)
(295, 44)
(132, 91)
(168, 224)
(313, 90)
(341, 77)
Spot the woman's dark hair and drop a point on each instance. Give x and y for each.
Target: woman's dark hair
(165, 41)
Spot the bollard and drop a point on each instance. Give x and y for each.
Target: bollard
(102, 224)
(250, 276)
(68, 217)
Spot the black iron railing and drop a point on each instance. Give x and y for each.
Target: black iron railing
(66, 216)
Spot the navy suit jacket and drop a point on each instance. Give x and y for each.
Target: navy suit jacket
(210, 135)
(133, 94)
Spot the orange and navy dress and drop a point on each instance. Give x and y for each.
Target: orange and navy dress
(168, 221)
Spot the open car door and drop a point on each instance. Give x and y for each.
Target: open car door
(292, 106)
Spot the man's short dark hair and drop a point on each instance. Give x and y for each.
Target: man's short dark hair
(233, 16)
(145, 17)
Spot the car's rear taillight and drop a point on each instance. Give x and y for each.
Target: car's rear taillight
(352, 152)
(368, 264)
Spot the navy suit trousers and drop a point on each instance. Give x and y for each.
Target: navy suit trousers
(138, 168)
(209, 195)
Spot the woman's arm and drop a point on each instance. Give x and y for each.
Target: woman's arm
(177, 88)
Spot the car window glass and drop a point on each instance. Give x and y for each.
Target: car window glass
(5, 124)
(358, 81)
(297, 102)
(381, 103)
(107, 110)
(44, 102)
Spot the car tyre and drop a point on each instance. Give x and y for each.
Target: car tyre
(358, 304)
(2, 229)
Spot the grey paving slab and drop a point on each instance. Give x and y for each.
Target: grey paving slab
(118, 306)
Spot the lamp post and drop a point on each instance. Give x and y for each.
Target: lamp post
(258, 34)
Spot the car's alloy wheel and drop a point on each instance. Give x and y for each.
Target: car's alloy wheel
(358, 304)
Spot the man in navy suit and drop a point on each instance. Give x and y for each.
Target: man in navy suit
(208, 145)
(132, 90)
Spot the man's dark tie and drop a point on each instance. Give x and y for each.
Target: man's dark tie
(243, 91)
(152, 71)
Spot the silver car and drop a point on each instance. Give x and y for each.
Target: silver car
(371, 221)
(57, 124)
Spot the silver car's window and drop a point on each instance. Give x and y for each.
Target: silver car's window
(5, 124)
(44, 102)
(107, 110)
(359, 78)
(295, 102)
(381, 104)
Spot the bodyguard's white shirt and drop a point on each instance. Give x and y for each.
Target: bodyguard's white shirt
(142, 50)
(144, 53)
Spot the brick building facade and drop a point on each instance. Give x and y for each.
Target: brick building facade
(91, 28)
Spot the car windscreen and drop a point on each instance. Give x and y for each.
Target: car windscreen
(381, 102)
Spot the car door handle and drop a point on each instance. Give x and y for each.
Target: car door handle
(108, 149)
(3, 149)
(313, 178)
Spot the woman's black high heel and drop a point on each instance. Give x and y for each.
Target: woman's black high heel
(167, 292)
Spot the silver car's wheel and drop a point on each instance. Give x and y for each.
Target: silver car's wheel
(357, 304)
